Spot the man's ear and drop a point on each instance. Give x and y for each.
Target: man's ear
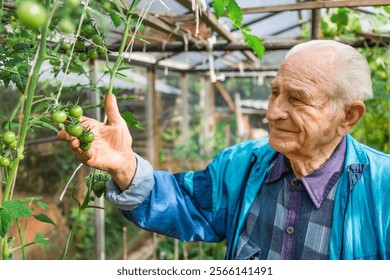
(353, 114)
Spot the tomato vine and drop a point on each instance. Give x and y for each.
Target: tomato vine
(31, 34)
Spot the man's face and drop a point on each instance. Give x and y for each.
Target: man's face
(300, 112)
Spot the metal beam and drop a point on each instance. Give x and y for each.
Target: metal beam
(314, 5)
(180, 47)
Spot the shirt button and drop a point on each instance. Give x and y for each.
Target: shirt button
(290, 230)
(294, 182)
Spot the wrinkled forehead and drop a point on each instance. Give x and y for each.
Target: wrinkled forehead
(315, 66)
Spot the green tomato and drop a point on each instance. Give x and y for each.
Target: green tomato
(101, 50)
(32, 14)
(13, 144)
(8, 137)
(5, 162)
(107, 6)
(85, 146)
(76, 111)
(59, 116)
(73, 3)
(88, 31)
(98, 185)
(98, 40)
(80, 45)
(83, 57)
(74, 129)
(67, 26)
(87, 137)
(54, 61)
(93, 54)
(67, 46)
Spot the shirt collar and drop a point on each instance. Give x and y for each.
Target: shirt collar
(318, 183)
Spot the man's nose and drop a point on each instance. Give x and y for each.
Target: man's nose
(278, 108)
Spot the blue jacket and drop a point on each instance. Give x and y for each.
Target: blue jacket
(212, 204)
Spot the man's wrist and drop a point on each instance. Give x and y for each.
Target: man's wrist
(124, 176)
(133, 194)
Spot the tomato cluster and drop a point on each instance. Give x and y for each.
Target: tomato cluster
(68, 117)
(8, 142)
(90, 44)
(97, 182)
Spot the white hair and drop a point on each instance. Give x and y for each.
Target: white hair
(351, 79)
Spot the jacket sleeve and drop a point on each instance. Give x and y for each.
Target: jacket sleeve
(194, 205)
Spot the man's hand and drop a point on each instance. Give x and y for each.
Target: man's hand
(111, 149)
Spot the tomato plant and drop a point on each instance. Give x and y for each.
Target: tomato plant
(64, 34)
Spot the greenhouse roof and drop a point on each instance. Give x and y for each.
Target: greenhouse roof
(170, 28)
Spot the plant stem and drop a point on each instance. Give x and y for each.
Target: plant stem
(21, 236)
(28, 97)
(72, 233)
(119, 59)
(1, 8)
(23, 246)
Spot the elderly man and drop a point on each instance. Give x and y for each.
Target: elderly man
(309, 191)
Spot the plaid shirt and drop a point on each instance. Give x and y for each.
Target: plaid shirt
(292, 218)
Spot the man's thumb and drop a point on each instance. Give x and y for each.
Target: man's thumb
(112, 110)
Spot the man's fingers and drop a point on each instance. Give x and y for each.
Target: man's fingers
(112, 111)
(64, 136)
(75, 144)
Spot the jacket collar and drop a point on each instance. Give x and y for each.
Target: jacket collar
(355, 160)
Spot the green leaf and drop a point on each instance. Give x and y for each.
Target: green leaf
(132, 120)
(116, 20)
(6, 220)
(21, 46)
(219, 8)
(17, 208)
(47, 125)
(255, 43)
(387, 9)
(119, 74)
(340, 17)
(43, 205)
(41, 106)
(31, 198)
(235, 13)
(39, 239)
(44, 218)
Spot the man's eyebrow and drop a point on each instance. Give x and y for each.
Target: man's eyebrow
(296, 93)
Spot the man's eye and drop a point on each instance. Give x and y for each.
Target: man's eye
(275, 93)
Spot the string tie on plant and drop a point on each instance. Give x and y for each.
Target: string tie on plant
(198, 6)
(213, 77)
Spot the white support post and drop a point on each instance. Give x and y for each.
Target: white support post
(99, 202)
